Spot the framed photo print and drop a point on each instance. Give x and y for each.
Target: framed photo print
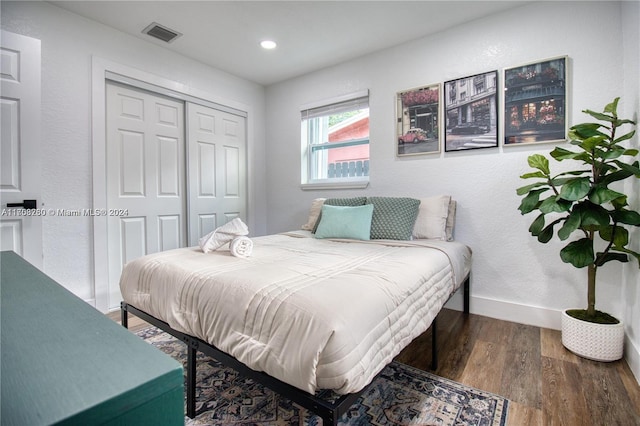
(535, 102)
(418, 121)
(471, 112)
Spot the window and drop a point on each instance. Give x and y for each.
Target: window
(335, 142)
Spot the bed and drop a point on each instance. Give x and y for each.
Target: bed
(310, 310)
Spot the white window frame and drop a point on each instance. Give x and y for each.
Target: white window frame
(306, 160)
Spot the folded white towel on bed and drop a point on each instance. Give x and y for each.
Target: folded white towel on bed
(223, 234)
(241, 246)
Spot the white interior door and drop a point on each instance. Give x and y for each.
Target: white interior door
(20, 174)
(217, 169)
(146, 199)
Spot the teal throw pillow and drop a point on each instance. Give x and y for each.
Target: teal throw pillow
(351, 201)
(345, 222)
(393, 217)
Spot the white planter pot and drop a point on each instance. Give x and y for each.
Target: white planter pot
(599, 342)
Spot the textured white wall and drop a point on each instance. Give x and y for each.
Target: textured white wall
(68, 44)
(631, 271)
(514, 276)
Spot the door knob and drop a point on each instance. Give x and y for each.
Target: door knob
(26, 204)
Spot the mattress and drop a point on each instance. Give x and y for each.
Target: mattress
(314, 313)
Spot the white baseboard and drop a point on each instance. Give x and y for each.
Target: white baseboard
(523, 314)
(507, 311)
(537, 316)
(632, 356)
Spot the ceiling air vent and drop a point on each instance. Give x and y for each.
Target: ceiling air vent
(161, 32)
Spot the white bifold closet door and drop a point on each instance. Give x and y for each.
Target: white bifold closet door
(170, 179)
(146, 188)
(217, 169)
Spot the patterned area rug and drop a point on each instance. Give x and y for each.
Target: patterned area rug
(401, 395)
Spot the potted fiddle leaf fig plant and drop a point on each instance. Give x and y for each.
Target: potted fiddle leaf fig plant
(588, 204)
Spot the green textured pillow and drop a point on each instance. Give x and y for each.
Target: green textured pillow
(353, 201)
(346, 202)
(393, 217)
(345, 222)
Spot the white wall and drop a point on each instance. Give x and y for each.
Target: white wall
(631, 271)
(68, 44)
(514, 277)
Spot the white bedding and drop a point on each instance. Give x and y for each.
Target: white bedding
(317, 314)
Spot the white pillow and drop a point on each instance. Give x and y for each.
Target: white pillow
(432, 218)
(451, 219)
(314, 213)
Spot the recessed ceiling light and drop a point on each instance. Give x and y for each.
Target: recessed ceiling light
(268, 44)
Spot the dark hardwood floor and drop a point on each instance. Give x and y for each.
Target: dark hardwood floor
(545, 383)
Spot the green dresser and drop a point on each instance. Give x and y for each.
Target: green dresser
(63, 362)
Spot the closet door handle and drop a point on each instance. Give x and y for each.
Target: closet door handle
(26, 204)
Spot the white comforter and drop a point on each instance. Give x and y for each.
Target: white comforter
(317, 314)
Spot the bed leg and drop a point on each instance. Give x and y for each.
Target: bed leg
(466, 295)
(124, 316)
(330, 420)
(434, 345)
(192, 350)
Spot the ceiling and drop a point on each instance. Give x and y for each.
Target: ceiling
(311, 35)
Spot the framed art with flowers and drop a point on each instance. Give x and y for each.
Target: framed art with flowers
(418, 121)
(535, 102)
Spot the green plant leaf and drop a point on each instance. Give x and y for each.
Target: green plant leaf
(537, 225)
(628, 217)
(631, 152)
(632, 168)
(578, 253)
(564, 154)
(619, 203)
(601, 195)
(559, 181)
(615, 176)
(569, 173)
(602, 258)
(619, 239)
(525, 189)
(625, 137)
(571, 224)
(613, 153)
(575, 189)
(592, 214)
(612, 107)
(624, 121)
(533, 175)
(600, 116)
(592, 142)
(585, 157)
(531, 201)
(585, 130)
(540, 162)
(605, 168)
(554, 204)
(547, 233)
(631, 252)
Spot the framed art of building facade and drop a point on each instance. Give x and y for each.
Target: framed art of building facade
(535, 102)
(471, 117)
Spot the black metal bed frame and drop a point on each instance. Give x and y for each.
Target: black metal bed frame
(330, 412)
